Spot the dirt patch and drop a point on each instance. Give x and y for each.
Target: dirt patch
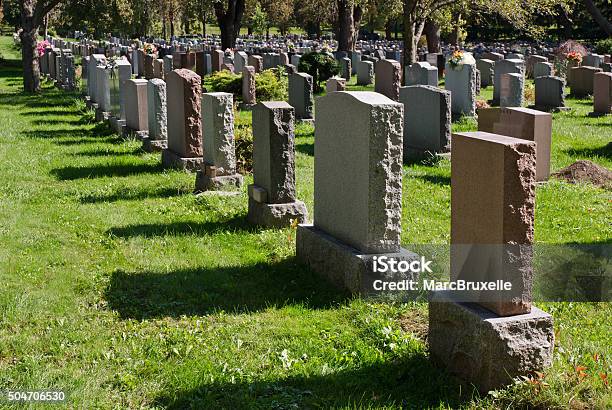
(586, 171)
(415, 322)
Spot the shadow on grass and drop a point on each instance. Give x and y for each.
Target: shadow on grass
(133, 196)
(433, 179)
(411, 382)
(183, 228)
(604, 151)
(107, 170)
(200, 291)
(108, 153)
(305, 148)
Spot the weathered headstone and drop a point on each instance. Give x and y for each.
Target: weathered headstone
(346, 68)
(335, 84)
(461, 82)
(157, 138)
(492, 56)
(511, 90)
(486, 71)
(388, 78)
(218, 170)
(272, 196)
(168, 66)
(505, 67)
(365, 73)
(217, 60)
(421, 73)
(493, 203)
(592, 60)
(136, 110)
(300, 96)
(427, 119)
(522, 123)
(541, 69)
(256, 62)
(532, 60)
(602, 93)
(582, 80)
(183, 99)
(549, 93)
(249, 98)
(103, 93)
(357, 189)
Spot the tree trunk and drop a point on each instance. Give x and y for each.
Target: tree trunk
(454, 37)
(229, 21)
(29, 54)
(388, 30)
(413, 28)
(171, 27)
(432, 32)
(187, 27)
(599, 18)
(204, 26)
(346, 26)
(163, 22)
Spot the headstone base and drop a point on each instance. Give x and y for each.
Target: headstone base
(485, 349)
(149, 145)
(171, 159)
(118, 126)
(276, 215)
(91, 105)
(549, 109)
(413, 154)
(101, 115)
(221, 183)
(246, 107)
(343, 265)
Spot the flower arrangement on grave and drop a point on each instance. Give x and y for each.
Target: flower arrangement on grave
(111, 63)
(574, 56)
(41, 46)
(149, 48)
(290, 46)
(459, 58)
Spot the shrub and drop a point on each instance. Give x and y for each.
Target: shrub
(270, 85)
(604, 46)
(243, 138)
(321, 66)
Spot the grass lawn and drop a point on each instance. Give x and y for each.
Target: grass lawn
(123, 289)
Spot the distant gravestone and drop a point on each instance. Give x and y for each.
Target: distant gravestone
(335, 84)
(592, 60)
(256, 62)
(365, 73)
(582, 80)
(136, 110)
(272, 196)
(492, 56)
(549, 93)
(427, 119)
(157, 137)
(505, 67)
(219, 168)
(249, 98)
(532, 60)
(511, 92)
(300, 96)
(388, 78)
(461, 82)
(602, 93)
(486, 72)
(421, 73)
(183, 98)
(217, 60)
(541, 69)
(346, 68)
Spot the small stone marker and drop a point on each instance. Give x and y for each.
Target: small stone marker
(602, 93)
(184, 96)
(493, 202)
(219, 167)
(549, 93)
(461, 82)
(272, 197)
(157, 138)
(217, 60)
(522, 123)
(256, 62)
(346, 68)
(427, 119)
(358, 189)
(300, 96)
(136, 111)
(388, 78)
(335, 84)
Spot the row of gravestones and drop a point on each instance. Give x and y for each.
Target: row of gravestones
(357, 207)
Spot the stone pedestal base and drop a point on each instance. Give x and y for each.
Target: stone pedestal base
(139, 134)
(149, 145)
(276, 215)
(485, 349)
(343, 265)
(171, 159)
(101, 115)
(218, 183)
(118, 126)
(246, 107)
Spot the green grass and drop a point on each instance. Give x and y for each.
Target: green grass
(125, 290)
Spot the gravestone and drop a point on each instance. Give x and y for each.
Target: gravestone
(592, 60)
(218, 171)
(168, 66)
(103, 93)
(149, 69)
(256, 62)
(501, 336)
(346, 68)
(542, 69)
(532, 60)
(240, 60)
(300, 96)
(183, 99)
(365, 73)
(355, 60)
(602, 93)
(94, 61)
(388, 78)
(157, 138)
(158, 68)
(217, 60)
(136, 110)
(511, 93)
(492, 56)
(335, 84)
(427, 119)
(248, 87)
(272, 196)
(357, 189)
(510, 66)
(582, 80)
(549, 93)
(461, 82)
(522, 123)
(486, 71)
(421, 73)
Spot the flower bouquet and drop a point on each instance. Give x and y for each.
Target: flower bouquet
(459, 58)
(41, 46)
(149, 48)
